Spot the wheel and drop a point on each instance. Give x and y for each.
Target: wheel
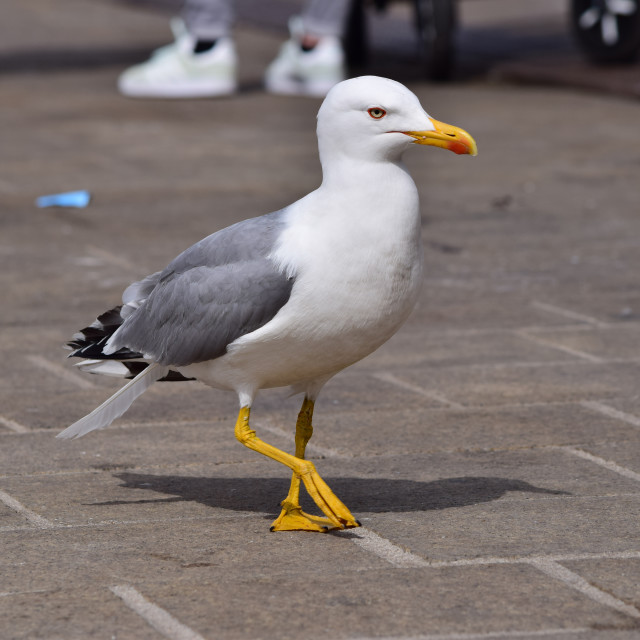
(607, 30)
(436, 25)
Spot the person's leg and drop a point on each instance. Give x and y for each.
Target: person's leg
(208, 20)
(325, 17)
(312, 60)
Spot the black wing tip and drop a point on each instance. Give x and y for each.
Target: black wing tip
(137, 367)
(89, 342)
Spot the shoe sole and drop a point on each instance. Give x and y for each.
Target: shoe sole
(205, 90)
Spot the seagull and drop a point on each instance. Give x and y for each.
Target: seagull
(290, 298)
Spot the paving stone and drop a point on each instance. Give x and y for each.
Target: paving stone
(464, 308)
(23, 360)
(97, 498)
(629, 405)
(550, 472)
(127, 154)
(65, 614)
(182, 552)
(358, 391)
(117, 494)
(410, 428)
(619, 303)
(161, 445)
(424, 484)
(623, 452)
(26, 407)
(618, 341)
(528, 528)
(619, 577)
(165, 402)
(10, 518)
(486, 386)
(383, 603)
(493, 501)
(447, 506)
(441, 349)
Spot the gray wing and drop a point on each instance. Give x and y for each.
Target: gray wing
(221, 288)
(135, 294)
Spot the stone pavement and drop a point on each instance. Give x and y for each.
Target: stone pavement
(491, 449)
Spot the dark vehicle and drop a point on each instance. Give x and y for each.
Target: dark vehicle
(607, 31)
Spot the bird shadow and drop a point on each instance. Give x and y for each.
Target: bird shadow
(374, 495)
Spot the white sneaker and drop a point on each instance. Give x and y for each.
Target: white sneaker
(174, 71)
(306, 73)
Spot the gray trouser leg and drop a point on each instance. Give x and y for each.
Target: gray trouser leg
(325, 17)
(208, 19)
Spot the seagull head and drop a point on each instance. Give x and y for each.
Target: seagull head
(372, 118)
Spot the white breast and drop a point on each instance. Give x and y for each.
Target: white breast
(357, 259)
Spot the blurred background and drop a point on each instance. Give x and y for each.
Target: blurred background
(543, 41)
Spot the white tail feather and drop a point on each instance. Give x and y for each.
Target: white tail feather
(117, 404)
(112, 368)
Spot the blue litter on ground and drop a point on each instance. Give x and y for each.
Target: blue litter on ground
(78, 199)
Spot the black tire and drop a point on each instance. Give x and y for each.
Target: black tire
(436, 26)
(591, 39)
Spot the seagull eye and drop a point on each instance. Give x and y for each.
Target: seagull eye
(376, 113)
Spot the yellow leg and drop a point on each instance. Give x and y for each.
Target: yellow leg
(292, 516)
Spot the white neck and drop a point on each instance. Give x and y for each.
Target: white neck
(382, 192)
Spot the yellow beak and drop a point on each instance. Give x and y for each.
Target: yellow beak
(447, 137)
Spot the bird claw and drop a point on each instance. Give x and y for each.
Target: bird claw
(337, 513)
(295, 519)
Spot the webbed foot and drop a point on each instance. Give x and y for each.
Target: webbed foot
(293, 518)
